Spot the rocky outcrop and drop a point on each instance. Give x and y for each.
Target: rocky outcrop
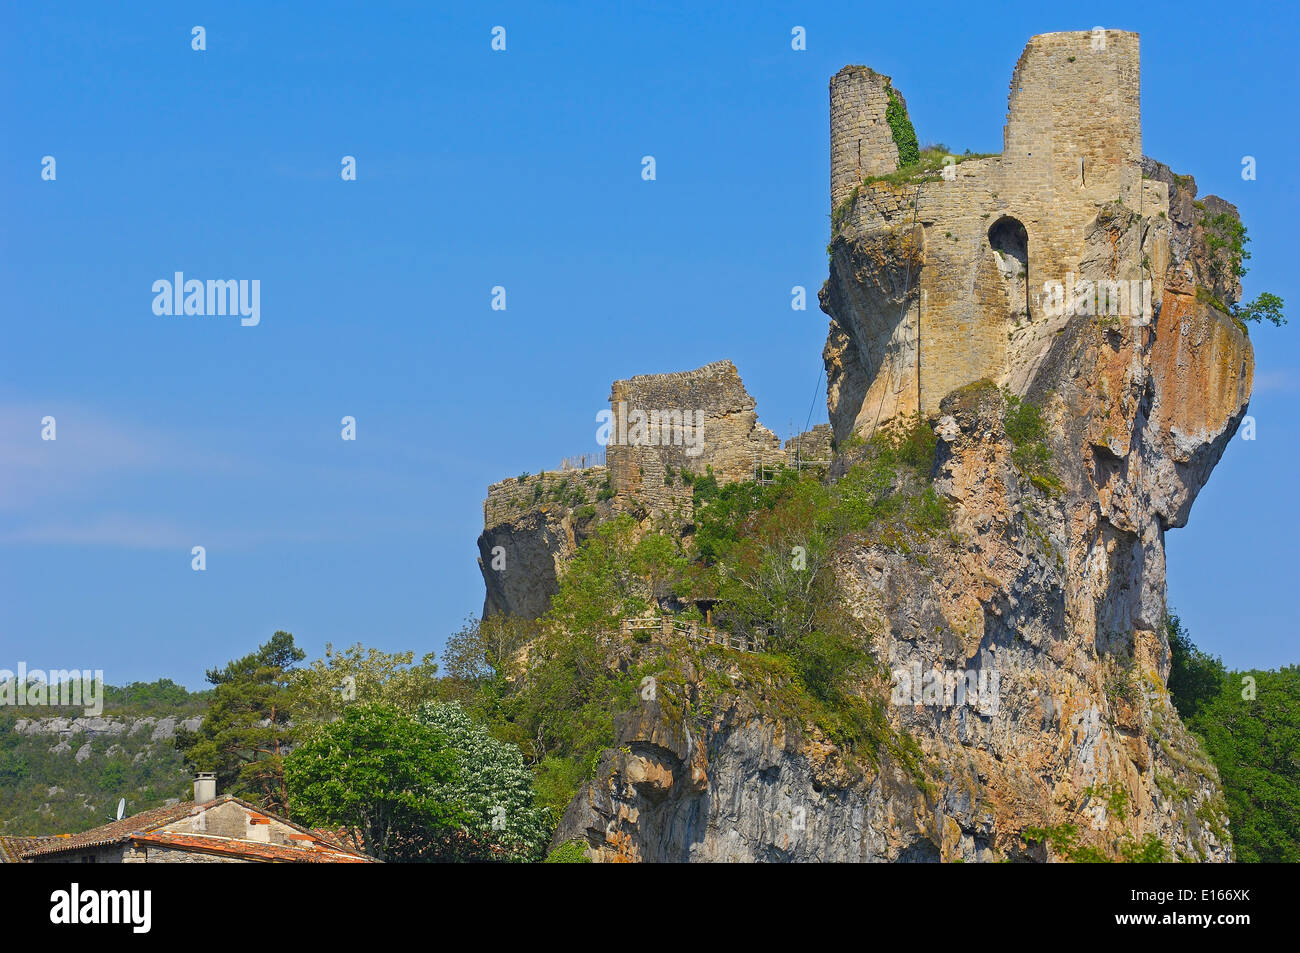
(662, 431)
(86, 763)
(743, 787)
(532, 528)
(1055, 601)
(1026, 646)
(159, 729)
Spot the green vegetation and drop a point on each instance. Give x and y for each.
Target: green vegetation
(1031, 453)
(162, 698)
(45, 789)
(1195, 678)
(1249, 723)
(760, 554)
(247, 729)
(1114, 794)
(493, 791)
(323, 690)
(901, 127)
(570, 852)
(926, 165)
(1063, 839)
(1226, 240)
(1265, 307)
(381, 774)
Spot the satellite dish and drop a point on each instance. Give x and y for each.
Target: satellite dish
(121, 808)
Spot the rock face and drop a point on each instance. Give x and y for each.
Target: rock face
(160, 729)
(532, 527)
(1047, 599)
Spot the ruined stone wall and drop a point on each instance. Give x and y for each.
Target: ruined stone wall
(515, 495)
(862, 143)
(973, 305)
(726, 436)
(811, 445)
(533, 525)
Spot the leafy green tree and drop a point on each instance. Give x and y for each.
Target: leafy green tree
(381, 774)
(722, 513)
(361, 676)
(602, 583)
(658, 561)
(568, 698)
(1253, 737)
(159, 697)
(248, 727)
(1265, 307)
(770, 578)
(1249, 723)
(480, 662)
(492, 788)
(555, 778)
(1195, 678)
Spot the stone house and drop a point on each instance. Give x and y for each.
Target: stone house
(207, 830)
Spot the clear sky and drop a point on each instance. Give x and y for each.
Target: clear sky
(478, 168)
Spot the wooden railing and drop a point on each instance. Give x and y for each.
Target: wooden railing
(699, 633)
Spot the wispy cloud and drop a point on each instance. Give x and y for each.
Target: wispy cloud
(126, 531)
(1283, 381)
(110, 481)
(91, 451)
(119, 530)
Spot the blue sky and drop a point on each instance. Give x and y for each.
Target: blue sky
(474, 169)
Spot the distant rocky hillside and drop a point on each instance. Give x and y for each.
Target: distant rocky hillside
(62, 771)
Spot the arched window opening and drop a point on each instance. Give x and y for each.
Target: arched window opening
(1010, 244)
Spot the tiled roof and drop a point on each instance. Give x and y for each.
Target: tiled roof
(116, 832)
(251, 850)
(12, 849)
(339, 837)
(317, 846)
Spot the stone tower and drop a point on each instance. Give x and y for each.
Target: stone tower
(964, 287)
(861, 141)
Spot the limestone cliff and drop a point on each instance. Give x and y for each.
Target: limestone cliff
(941, 302)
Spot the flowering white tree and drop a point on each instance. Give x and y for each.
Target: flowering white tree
(493, 787)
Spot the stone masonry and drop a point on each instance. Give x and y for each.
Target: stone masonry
(966, 284)
(861, 141)
(729, 441)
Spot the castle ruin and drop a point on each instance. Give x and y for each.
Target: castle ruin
(937, 279)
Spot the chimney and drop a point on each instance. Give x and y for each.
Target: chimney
(205, 787)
